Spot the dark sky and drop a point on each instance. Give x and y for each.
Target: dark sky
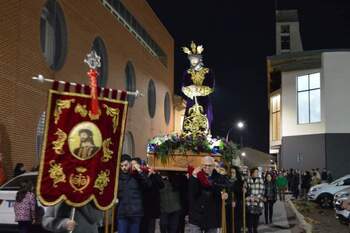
(237, 36)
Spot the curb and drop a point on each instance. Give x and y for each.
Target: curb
(306, 226)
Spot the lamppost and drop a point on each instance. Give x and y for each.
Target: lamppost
(239, 125)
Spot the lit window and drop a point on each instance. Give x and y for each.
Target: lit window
(53, 34)
(309, 98)
(276, 117)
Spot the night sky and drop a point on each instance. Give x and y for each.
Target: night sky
(237, 36)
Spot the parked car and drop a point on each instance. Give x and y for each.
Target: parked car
(339, 198)
(324, 193)
(8, 193)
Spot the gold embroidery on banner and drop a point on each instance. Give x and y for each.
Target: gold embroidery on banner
(107, 153)
(59, 143)
(102, 180)
(61, 104)
(56, 173)
(114, 113)
(198, 76)
(79, 181)
(81, 109)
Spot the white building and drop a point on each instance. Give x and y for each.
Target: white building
(309, 96)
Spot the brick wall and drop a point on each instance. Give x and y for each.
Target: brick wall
(23, 100)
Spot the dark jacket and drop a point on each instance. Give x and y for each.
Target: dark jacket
(86, 217)
(152, 197)
(270, 191)
(130, 194)
(306, 181)
(205, 203)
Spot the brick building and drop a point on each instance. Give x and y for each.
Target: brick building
(52, 38)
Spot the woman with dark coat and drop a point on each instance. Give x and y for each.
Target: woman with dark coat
(234, 201)
(270, 198)
(305, 183)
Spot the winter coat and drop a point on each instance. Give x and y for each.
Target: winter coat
(86, 217)
(151, 197)
(270, 191)
(306, 181)
(205, 202)
(281, 182)
(130, 194)
(25, 210)
(256, 188)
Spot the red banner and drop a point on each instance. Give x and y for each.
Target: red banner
(81, 151)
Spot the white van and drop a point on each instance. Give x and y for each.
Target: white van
(324, 193)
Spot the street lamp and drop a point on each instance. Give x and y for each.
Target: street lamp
(240, 125)
(243, 154)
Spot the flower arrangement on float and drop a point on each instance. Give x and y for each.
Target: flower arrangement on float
(176, 143)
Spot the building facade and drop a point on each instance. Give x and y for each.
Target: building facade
(309, 109)
(52, 38)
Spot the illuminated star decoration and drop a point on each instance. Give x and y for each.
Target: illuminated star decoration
(93, 60)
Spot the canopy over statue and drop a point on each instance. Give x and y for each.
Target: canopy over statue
(198, 84)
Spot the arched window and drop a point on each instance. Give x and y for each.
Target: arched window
(167, 109)
(101, 51)
(53, 34)
(152, 98)
(129, 144)
(130, 82)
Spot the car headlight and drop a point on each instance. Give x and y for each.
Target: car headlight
(314, 189)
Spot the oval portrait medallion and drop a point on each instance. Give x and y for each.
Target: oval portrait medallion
(84, 140)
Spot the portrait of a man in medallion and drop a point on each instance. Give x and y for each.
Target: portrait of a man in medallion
(85, 140)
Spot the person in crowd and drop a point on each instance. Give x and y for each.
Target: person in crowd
(290, 178)
(170, 205)
(305, 184)
(255, 200)
(132, 183)
(270, 198)
(19, 169)
(314, 179)
(235, 201)
(24, 207)
(282, 184)
(295, 179)
(324, 176)
(86, 219)
(151, 197)
(329, 177)
(206, 192)
(318, 174)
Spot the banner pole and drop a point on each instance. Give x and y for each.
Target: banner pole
(41, 78)
(233, 214)
(72, 216)
(244, 213)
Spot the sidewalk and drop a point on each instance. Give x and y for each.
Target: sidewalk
(280, 220)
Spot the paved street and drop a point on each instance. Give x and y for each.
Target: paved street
(280, 220)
